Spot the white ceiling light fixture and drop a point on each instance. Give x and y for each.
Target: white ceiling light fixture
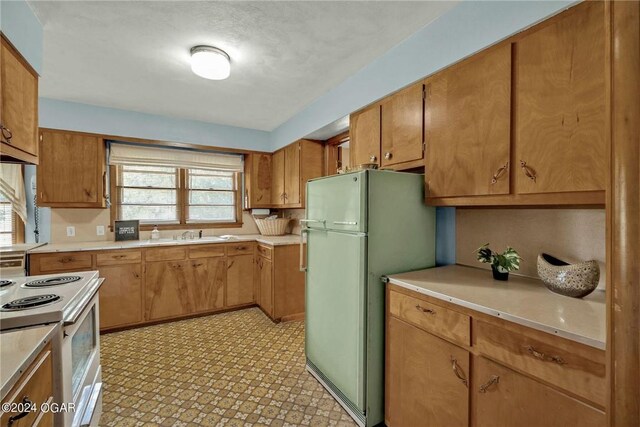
(210, 62)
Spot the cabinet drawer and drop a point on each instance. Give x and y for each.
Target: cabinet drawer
(63, 262)
(240, 249)
(211, 251)
(36, 386)
(265, 251)
(112, 258)
(166, 254)
(431, 317)
(577, 368)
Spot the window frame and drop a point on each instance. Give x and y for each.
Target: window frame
(182, 204)
(17, 227)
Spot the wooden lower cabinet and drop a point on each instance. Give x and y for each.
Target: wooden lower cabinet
(120, 295)
(280, 283)
(545, 381)
(35, 385)
(503, 397)
(422, 389)
(265, 285)
(240, 283)
(179, 288)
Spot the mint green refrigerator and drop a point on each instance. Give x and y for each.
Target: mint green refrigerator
(359, 227)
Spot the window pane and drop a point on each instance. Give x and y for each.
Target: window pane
(6, 222)
(211, 180)
(148, 197)
(149, 213)
(147, 176)
(211, 197)
(212, 213)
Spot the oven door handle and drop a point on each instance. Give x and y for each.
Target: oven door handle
(90, 409)
(73, 316)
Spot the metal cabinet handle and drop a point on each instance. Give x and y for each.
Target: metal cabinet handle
(285, 196)
(303, 267)
(231, 264)
(425, 310)
(373, 159)
(501, 170)
(540, 355)
(388, 155)
(27, 404)
(530, 173)
(457, 370)
(495, 379)
(6, 134)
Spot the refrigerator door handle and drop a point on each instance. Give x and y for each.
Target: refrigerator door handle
(302, 266)
(345, 222)
(321, 221)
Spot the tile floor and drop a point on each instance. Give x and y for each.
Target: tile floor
(235, 369)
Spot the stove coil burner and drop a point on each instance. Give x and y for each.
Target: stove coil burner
(52, 281)
(30, 302)
(4, 283)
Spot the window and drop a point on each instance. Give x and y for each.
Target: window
(176, 197)
(9, 223)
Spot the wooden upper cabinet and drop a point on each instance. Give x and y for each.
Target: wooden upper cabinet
(467, 126)
(292, 167)
(364, 130)
(258, 180)
(19, 106)
(72, 170)
(402, 125)
(277, 178)
(426, 379)
(560, 104)
(502, 397)
(292, 174)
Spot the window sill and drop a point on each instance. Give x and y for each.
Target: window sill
(191, 226)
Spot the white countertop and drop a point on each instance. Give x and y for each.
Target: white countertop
(287, 239)
(520, 300)
(19, 247)
(18, 349)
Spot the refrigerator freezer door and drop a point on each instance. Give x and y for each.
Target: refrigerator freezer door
(338, 202)
(335, 310)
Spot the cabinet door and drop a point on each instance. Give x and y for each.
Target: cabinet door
(364, 129)
(259, 180)
(402, 117)
(266, 285)
(71, 172)
(239, 280)
(206, 288)
(560, 92)
(422, 387)
(19, 101)
(503, 397)
(467, 126)
(278, 178)
(167, 289)
(120, 295)
(292, 174)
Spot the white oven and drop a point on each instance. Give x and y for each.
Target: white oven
(80, 372)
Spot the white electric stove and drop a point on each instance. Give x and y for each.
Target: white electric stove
(70, 299)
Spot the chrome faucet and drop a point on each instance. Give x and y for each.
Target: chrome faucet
(191, 234)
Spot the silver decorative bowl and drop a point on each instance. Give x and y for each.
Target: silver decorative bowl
(572, 280)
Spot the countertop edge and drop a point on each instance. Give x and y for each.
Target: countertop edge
(502, 315)
(109, 245)
(15, 376)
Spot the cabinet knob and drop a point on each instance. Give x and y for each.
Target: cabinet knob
(388, 155)
(6, 134)
(530, 173)
(373, 159)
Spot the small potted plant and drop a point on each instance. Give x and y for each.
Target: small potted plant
(501, 264)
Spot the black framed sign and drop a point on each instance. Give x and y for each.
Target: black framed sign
(127, 230)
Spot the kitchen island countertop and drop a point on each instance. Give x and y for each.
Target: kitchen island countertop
(520, 300)
(18, 349)
(287, 239)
